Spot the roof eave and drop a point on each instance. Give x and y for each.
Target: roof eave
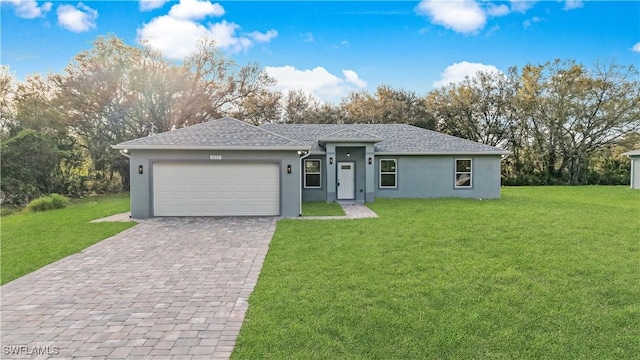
(208, 147)
(468, 153)
(350, 140)
(632, 153)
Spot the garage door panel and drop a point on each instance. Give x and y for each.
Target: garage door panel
(188, 189)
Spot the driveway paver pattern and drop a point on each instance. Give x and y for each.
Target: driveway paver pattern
(168, 288)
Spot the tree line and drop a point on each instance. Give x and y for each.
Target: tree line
(564, 122)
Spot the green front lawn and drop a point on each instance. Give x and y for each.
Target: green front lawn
(543, 273)
(30, 241)
(321, 208)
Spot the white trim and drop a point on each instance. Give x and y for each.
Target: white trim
(205, 147)
(304, 173)
(395, 173)
(465, 153)
(456, 172)
(632, 153)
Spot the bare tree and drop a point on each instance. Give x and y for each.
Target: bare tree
(478, 108)
(572, 111)
(261, 107)
(7, 100)
(386, 106)
(214, 85)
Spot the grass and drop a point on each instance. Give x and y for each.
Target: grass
(543, 273)
(33, 240)
(321, 208)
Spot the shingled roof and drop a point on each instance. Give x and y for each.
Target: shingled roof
(232, 134)
(225, 133)
(394, 138)
(348, 135)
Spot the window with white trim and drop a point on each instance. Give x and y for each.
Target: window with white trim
(463, 173)
(312, 174)
(388, 173)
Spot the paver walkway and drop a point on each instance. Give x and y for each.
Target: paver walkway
(122, 217)
(169, 288)
(351, 211)
(357, 211)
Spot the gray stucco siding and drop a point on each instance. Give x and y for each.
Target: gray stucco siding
(142, 184)
(316, 194)
(434, 176)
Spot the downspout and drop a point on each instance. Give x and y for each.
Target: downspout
(632, 172)
(302, 157)
(124, 152)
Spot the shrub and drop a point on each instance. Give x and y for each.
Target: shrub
(8, 210)
(28, 162)
(49, 202)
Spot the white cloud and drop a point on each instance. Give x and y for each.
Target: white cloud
(521, 6)
(352, 77)
(497, 10)
(527, 23)
(459, 71)
(573, 4)
(80, 18)
(29, 9)
(317, 82)
(636, 47)
(175, 38)
(195, 10)
(177, 34)
(148, 5)
(224, 33)
(266, 37)
(463, 16)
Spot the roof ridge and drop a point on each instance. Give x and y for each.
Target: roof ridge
(222, 132)
(263, 130)
(232, 119)
(183, 128)
(347, 127)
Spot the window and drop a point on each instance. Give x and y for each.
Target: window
(312, 174)
(388, 173)
(463, 173)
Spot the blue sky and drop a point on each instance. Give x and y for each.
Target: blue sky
(331, 48)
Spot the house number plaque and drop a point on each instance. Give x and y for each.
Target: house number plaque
(215, 157)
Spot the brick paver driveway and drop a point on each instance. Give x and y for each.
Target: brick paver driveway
(173, 288)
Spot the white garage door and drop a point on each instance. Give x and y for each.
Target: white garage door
(188, 189)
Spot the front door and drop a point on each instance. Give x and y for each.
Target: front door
(346, 181)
